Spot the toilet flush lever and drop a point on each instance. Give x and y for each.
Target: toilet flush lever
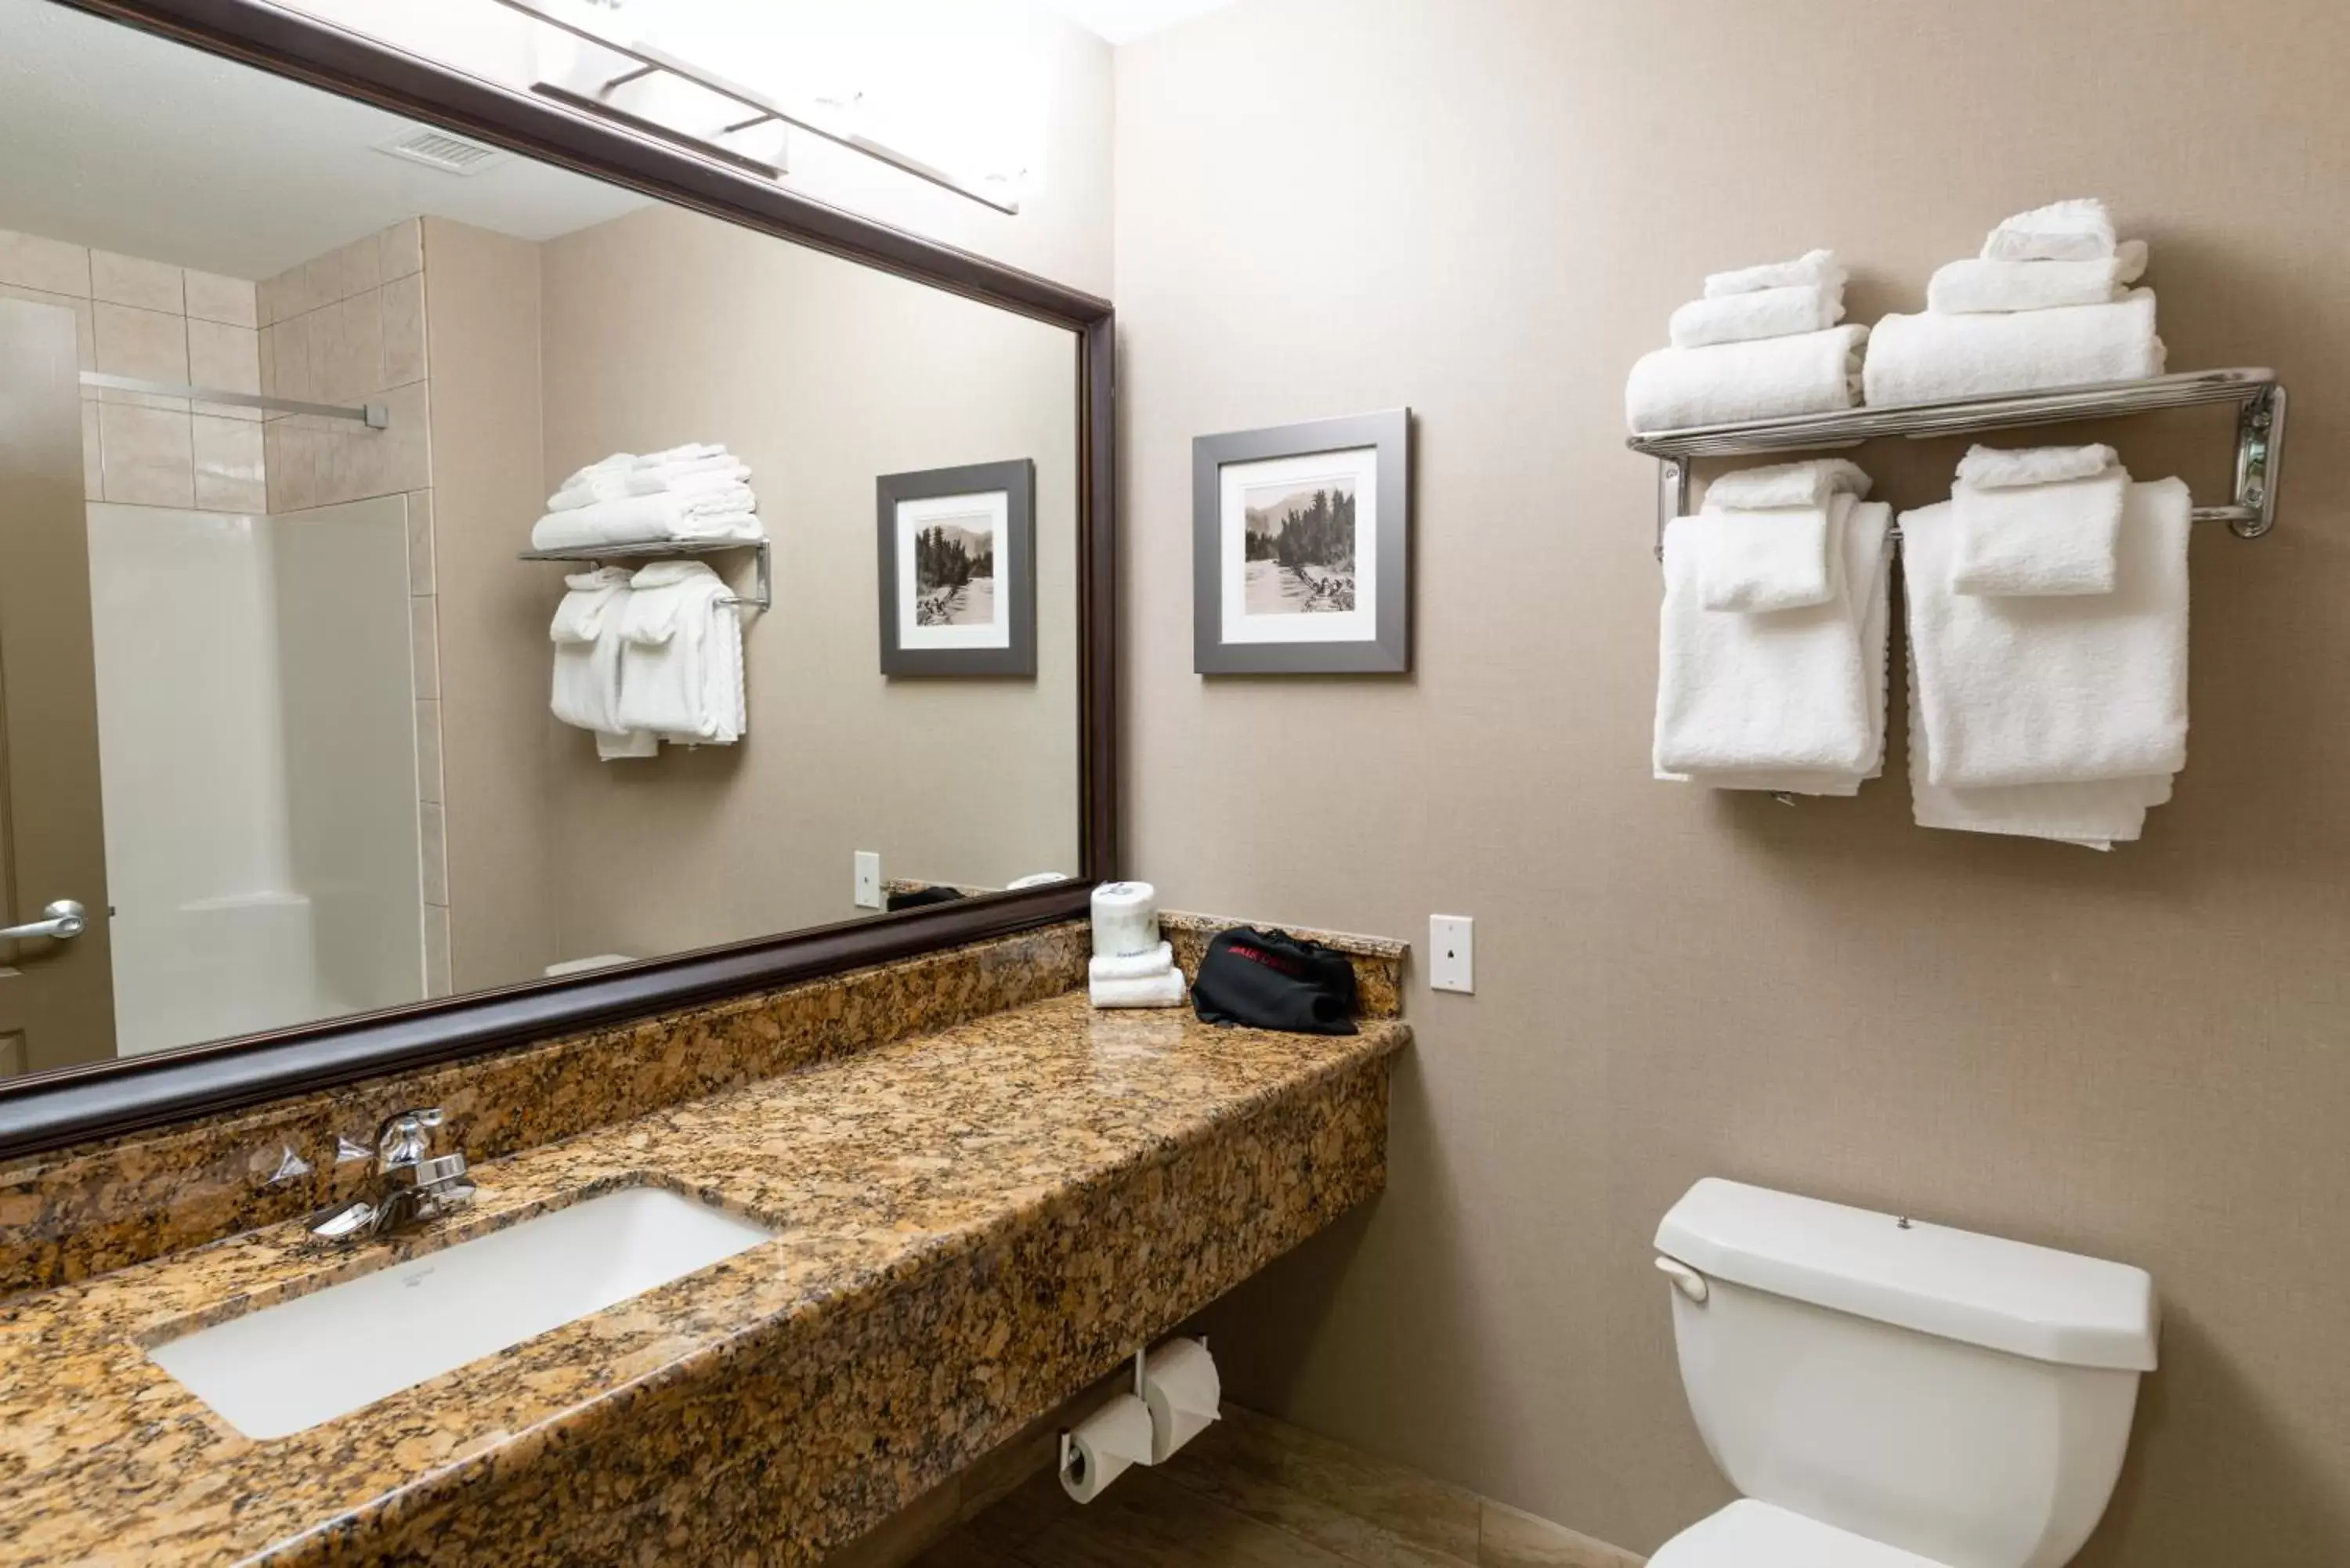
(1686, 1280)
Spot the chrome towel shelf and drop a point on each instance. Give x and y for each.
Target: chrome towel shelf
(2259, 433)
(669, 549)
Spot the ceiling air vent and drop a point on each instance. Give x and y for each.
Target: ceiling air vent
(439, 149)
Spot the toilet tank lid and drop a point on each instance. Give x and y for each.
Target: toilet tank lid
(2005, 1295)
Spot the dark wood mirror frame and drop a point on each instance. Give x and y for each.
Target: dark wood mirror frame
(49, 1110)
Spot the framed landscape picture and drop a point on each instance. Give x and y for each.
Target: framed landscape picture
(1300, 548)
(958, 569)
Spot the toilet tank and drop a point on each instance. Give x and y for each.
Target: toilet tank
(1960, 1397)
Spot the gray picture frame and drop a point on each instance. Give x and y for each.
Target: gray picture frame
(1388, 650)
(1016, 575)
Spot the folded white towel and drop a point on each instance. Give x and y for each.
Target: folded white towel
(2053, 691)
(1162, 990)
(2096, 816)
(1811, 373)
(1765, 313)
(621, 748)
(2076, 230)
(2029, 540)
(689, 453)
(1867, 570)
(723, 514)
(1139, 966)
(1806, 484)
(1753, 561)
(1811, 268)
(702, 474)
(1932, 359)
(618, 463)
(1975, 286)
(2004, 468)
(1735, 692)
(585, 631)
(681, 670)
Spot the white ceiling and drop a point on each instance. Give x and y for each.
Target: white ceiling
(1123, 21)
(122, 141)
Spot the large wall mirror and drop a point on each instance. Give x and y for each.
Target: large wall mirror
(427, 570)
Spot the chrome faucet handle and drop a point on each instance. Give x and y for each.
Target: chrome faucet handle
(405, 1138)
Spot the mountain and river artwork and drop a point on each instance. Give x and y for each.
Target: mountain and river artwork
(1300, 547)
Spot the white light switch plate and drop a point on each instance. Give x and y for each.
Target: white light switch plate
(869, 879)
(1451, 959)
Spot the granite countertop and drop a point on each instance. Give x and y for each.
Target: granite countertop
(966, 1145)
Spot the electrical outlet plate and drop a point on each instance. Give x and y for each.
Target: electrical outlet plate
(869, 879)
(1451, 957)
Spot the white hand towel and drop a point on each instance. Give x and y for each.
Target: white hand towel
(2094, 815)
(1932, 359)
(1756, 560)
(1162, 990)
(1818, 267)
(2077, 230)
(585, 631)
(689, 453)
(2053, 691)
(2004, 468)
(2029, 540)
(1974, 286)
(681, 670)
(1805, 484)
(1868, 563)
(1138, 966)
(1737, 693)
(1812, 373)
(1765, 313)
(718, 474)
(622, 748)
(618, 463)
(724, 514)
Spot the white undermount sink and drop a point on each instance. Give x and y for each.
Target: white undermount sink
(273, 1372)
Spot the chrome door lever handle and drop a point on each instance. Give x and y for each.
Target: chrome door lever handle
(60, 921)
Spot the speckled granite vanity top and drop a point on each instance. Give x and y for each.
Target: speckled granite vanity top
(970, 1224)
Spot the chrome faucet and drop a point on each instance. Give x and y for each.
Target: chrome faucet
(407, 1183)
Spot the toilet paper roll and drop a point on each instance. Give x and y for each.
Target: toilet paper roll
(1126, 920)
(1104, 1444)
(1180, 1390)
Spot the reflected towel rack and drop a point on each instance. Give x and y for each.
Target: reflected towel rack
(2259, 433)
(668, 549)
(375, 416)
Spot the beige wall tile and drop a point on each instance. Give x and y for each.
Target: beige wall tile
(428, 752)
(433, 828)
(408, 444)
(401, 249)
(146, 455)
(1509, 1539)
(325, 328)
(93, 471)
(361, 269)
(403, 330)
(150, 345)
(53, 266)
(322, 280)
(231, 301)
(436, 950)
(289, 360)
(228, 462)
(85, 339)
(424, 645)
(227, 358)
(265, 346)
(420, 542)
(266, 297)
(286, 294)
(133, 280)
(360, 357)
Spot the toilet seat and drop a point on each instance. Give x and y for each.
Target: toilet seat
(1751, 1534)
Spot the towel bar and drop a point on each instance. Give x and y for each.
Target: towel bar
(668, 549)
(2259, 433)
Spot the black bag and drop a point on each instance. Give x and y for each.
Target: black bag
(1271, 980)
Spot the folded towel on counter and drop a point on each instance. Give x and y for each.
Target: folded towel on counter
(2096, 816)
(1932, 359)
(1814, 267)
(2027, 540)
(1752, 561)
(721, 513)
(1811, 373)
(2053, 691)
(1164, 989)
(1867, 571)
(1136, 966)
(1765, 313)
(1806, 484)
(681, 670)
(2004, 468)
(585, 632)
(1974, 287)
(2077, 230)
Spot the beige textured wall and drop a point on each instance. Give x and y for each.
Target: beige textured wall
(1485, 209)
(665, 326)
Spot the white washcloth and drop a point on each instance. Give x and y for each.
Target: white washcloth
(1162, 990)
(2077, 230)
(1932, 359)
(2094, 815)
(1806, 484)
(1763, 313)
(2053, 691)
(1811, 373)
(1755, 560)
(585, 631)
(681, 670)
(724, 514)
(1974, 286)
(2004, 468)
(1737, 693)
(1138, 966)
(1811, 267)
(2037, 540)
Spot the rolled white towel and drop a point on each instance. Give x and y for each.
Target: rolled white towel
(1931, 358)
(1806, 484)
(2075, 229)
(1725, 383)
(2004, 468)
(1974, 287)
(1811, 268)
(1763, 313)
(1756, 561)
(1164, 989)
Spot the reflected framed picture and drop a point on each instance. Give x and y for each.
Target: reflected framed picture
(1300, 548)
(959, 570)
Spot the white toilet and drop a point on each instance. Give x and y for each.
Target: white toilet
(1888, 1394)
